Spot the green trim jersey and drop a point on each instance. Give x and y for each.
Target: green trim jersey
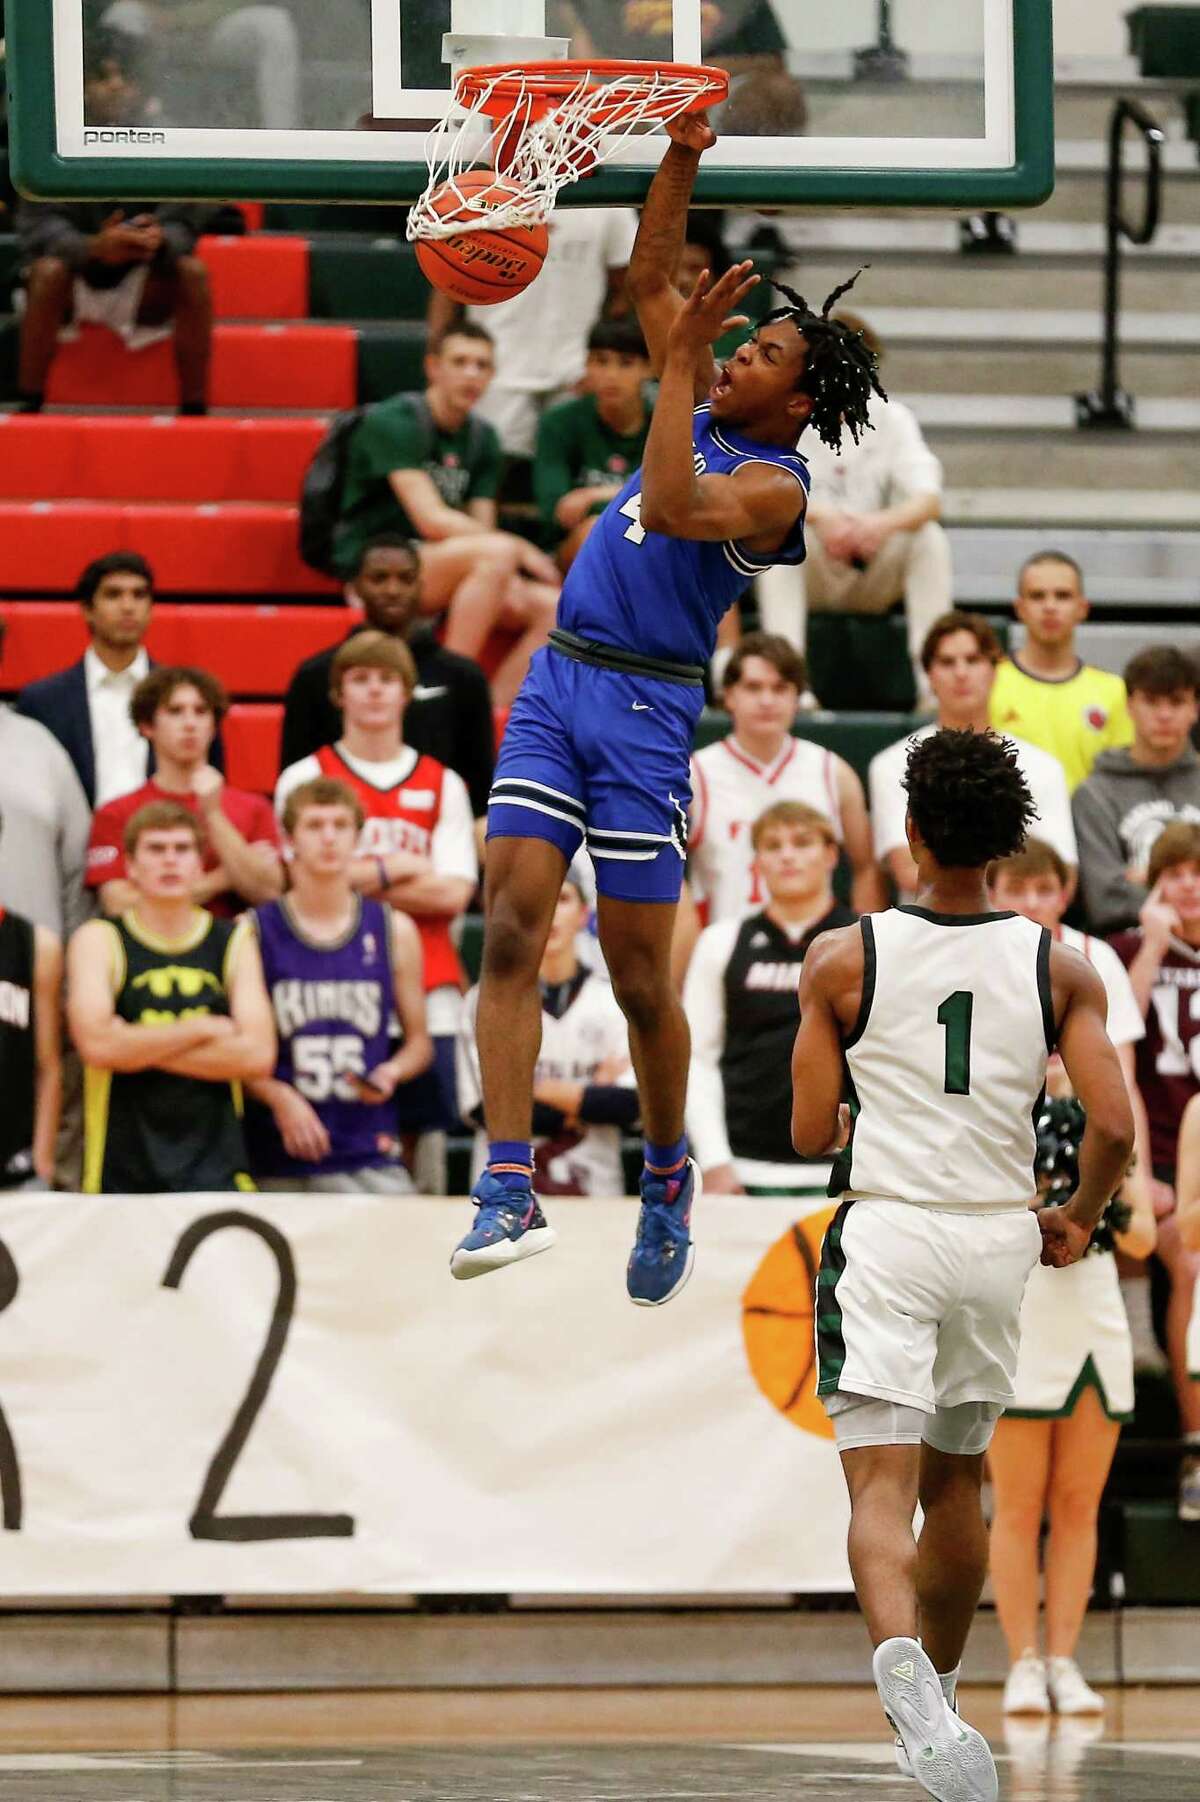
(946, 1063)
(151, 1131)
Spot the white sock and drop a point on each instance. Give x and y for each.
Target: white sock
(949, 1683)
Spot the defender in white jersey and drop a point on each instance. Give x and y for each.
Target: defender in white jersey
(939, 1019)
(760, 763)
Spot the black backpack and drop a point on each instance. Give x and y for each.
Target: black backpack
(325, 478)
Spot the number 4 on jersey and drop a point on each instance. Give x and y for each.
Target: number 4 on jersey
(633, 510)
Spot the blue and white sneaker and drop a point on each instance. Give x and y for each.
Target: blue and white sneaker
(662, 1256)
(509, 1225)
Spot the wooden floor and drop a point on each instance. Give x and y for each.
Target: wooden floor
(565, 1746)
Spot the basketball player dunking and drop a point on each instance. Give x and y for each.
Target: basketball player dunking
(939, 1019)
(598, 744)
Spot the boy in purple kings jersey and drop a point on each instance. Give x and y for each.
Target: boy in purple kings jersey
(599, 741)
(341, 971)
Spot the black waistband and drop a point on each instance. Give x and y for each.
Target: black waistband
(628, 663)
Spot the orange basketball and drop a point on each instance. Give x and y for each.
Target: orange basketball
(777, 1324)
(481, 267)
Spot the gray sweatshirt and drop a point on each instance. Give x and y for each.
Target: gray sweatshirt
(46, 825)
(1119, 812)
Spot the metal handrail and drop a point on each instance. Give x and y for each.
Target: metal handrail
(1111, 405)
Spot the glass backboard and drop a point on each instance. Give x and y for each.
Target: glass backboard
(870, 102)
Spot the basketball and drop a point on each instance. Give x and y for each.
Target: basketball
(777, 1324)
(481, 267)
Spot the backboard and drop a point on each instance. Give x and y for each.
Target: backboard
(869, 102)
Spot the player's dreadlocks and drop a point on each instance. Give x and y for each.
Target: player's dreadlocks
(841, 372)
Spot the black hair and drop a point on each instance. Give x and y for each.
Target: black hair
(104, 44)
(704, 228)
(841, 371)
(1050, 557)
(463, 328)
(967, 797)
(621, 335)
(385, 541)
(116, 563)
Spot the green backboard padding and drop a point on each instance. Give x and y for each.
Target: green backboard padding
(356, 278)
(1166, 40)
(391, 359)
(855, 736)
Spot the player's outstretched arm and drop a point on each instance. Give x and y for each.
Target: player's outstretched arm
(650, 280)
(1098, 1080)
(830, 987)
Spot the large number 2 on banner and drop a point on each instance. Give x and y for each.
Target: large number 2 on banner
(206, 1523)
(10, 1470)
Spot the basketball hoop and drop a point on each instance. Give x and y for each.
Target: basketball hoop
(545, 124)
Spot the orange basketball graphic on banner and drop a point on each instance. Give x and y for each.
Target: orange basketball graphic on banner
(777, 1324)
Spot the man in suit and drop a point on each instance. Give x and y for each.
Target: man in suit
(86, 706)
(450, 714)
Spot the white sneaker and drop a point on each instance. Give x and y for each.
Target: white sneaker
(1069, 1694)
(1026, 1691)
(951, 1761)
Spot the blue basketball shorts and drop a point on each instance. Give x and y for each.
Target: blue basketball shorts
(598, 755)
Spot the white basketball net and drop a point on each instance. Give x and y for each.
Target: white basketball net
(538, 157)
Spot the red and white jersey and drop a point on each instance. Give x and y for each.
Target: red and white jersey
(1168, 1058)
(729, 791)
(412, 803)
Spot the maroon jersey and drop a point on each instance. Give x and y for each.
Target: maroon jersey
(1168, 1058)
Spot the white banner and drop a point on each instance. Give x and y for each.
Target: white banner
(290, 1393)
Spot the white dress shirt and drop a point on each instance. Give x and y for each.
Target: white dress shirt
(122, 754)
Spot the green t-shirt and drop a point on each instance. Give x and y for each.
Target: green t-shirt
(575, 449)
(464, 466)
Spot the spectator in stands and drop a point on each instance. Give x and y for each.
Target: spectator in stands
(540, 335)
(959, 658)
(872, 530)
(426, 466)
(338, 967)
(417, 845)
(741, 1000)
(760, 762)
(31, 970)
(450, 713)
(97, 263)
(743, 36)
(230, 35)
(113, 88)
(168, 1011)
(1074, 1384)
(1162, 956)
(588, 447)
(46, 823)
(178, 711)
(584, 1090)
(1045, 693)
(86, 706)
(1132, 794)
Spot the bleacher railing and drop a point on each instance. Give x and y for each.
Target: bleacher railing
(1111, 406)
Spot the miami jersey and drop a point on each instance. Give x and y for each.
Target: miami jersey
(664, 597)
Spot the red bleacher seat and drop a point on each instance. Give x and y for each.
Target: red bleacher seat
(253, 731)
(269, 365)
(160, 458)
(254, 650)
(257, 278)
(208, 549)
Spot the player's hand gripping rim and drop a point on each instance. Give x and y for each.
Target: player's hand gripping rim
(706, 314)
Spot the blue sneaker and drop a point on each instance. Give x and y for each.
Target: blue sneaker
(662, 1256)
(509, 1225)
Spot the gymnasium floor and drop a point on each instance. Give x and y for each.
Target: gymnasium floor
(562, 1746)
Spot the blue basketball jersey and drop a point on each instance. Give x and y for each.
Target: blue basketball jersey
(334, 1008)
(664, 597)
